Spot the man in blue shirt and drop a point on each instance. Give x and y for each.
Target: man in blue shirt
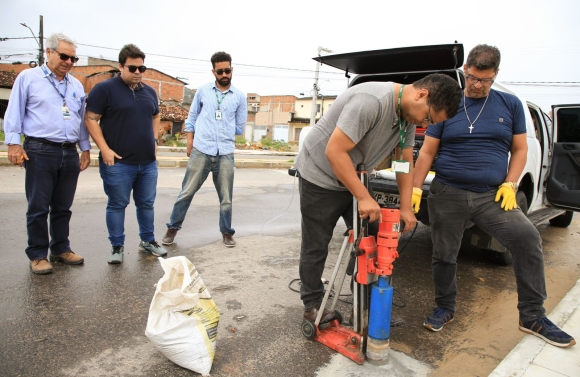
(47, 107)
(473, 174)
(217, 114)
(126, 135)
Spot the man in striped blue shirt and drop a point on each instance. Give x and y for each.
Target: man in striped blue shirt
(47, 105)
(218, 113)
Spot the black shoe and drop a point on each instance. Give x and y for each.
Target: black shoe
(327, 315)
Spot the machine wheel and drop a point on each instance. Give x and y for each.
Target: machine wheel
(308, 329)
(562, 221)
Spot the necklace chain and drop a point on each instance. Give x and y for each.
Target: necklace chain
(477, 117)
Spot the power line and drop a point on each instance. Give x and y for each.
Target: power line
(207, 61)
(570, 84)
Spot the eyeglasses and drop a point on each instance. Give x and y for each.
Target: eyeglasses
(133, 68)
(428, 121)
(474, 80)
(65, 57)
(220, 72)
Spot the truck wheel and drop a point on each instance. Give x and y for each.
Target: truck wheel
(522, 202)
(562, 221)
(498, 257)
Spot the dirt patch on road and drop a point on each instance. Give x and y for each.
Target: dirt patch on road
(485, 329)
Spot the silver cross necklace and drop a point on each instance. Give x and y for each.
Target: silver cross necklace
(477, 117)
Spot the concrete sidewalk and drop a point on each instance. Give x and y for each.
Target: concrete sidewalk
(533, 357)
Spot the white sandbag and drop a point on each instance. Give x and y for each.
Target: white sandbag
(183, 318)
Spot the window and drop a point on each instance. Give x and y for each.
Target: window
(317, 108)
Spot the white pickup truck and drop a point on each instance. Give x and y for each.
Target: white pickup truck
(549, 187)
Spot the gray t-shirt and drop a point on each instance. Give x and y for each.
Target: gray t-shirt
(366, 114)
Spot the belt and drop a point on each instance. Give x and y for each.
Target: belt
(63, 145)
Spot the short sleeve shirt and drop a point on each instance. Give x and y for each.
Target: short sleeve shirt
(476, 159)
(366, 114)
(127, 118)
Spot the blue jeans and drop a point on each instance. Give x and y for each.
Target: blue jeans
(118, 181)
(198, 168)
(450, 209)
(51, 181)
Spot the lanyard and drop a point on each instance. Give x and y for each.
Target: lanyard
(54, 85)
(402, 134)
(219, 101)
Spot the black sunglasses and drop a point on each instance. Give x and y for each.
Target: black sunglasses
(221, 71)
(65, 57)
(133, 68)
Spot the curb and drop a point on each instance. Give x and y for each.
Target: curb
(171, 162)
(524, 354)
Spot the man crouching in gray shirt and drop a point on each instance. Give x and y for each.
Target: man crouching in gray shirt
(363, 126)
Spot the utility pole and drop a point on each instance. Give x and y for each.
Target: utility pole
(315, 88)
(41, 43)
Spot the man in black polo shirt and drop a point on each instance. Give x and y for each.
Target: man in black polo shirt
(128, 112)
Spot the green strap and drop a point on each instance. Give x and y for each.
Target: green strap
(402, 133)
(219, 101)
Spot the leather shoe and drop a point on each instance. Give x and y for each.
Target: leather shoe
(169, 236)
(229, 240)
(327, 315)
(68, 257)
(40, 266)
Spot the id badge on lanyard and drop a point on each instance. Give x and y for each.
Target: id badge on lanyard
(401, 166)
(65, 112)
(218, 112)
(64, 108)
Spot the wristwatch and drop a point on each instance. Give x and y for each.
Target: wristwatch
(513, 185)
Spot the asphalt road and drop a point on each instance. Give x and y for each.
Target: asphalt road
(90, 320)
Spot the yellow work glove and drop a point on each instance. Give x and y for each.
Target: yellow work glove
(416, 199)
(508, 192)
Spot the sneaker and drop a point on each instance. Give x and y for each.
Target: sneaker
(68, 257)
(544, 329)
(229, 240)
(169, 236)
(153, 248)
(40, 266)
(116, 255)
(438, 319)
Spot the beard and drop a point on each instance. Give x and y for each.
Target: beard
(225, 81)
(477, 93)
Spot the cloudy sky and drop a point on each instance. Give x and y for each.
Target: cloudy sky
(272, 43)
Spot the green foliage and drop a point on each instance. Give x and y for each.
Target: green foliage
(173, 141)
(240, 140)
(278, 145)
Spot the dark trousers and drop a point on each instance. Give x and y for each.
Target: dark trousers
(51, 181)
(450, 209)
(321, 208)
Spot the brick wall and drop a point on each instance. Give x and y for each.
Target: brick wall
(167, 87)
